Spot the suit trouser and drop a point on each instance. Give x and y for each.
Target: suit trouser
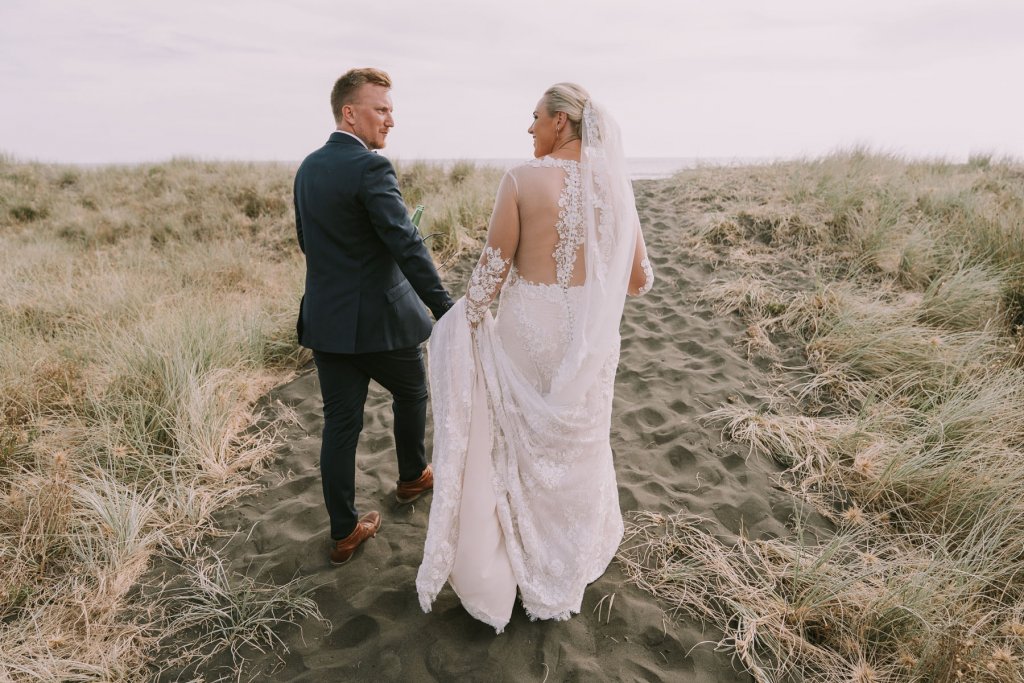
(344, 379)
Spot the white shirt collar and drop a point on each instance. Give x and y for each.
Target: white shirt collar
(352, 136)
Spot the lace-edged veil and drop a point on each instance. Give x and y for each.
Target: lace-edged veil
(611, 227)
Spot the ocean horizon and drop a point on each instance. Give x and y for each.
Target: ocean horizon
(640, 168)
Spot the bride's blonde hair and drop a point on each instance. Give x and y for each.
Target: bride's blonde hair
(569, 98)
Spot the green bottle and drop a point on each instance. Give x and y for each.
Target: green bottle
(416, 215)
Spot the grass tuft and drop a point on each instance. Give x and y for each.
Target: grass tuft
(210, 610)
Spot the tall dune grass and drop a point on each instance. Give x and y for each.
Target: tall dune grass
(904, 426)
(458, 203)
(143, 311)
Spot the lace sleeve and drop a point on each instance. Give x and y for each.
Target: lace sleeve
(484, 283)
(496, 260)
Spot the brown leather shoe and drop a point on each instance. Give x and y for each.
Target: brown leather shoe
(408, 491)
(366, 527)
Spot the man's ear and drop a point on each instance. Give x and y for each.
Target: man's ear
(346, 114)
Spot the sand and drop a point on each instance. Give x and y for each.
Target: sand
(679, 360)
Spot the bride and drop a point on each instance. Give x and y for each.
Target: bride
(524, 485)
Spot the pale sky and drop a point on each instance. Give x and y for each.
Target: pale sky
(133, 80)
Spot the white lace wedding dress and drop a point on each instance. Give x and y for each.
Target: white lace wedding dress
(525, 494)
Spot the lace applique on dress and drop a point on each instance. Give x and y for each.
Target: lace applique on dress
(543, 314)
(570, 224)
(570, 218)
(484, 282)
(648, 276)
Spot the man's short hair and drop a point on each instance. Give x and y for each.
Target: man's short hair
(345, 88)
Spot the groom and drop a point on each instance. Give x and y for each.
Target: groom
(367, 272)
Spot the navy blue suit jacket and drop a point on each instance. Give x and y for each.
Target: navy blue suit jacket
(368, 273)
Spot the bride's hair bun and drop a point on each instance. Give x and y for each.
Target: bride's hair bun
(571, 99)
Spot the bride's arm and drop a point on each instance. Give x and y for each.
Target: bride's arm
(496, 259)
(641, 278)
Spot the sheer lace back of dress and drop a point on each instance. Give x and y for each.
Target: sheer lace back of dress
(550, 204)
(568, 227)
(549, 234)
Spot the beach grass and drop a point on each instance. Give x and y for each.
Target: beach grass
(144, 312)
(902, 425)
(458, 201)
